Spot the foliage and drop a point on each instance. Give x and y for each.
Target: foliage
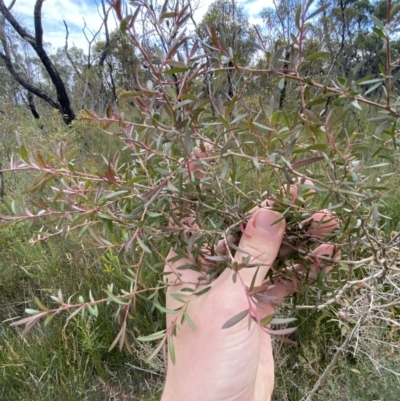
(124, 203)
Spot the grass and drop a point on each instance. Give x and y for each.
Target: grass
(63, 362)
(368, 370)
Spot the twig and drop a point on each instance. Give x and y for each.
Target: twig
(329, 368)
(144, 370)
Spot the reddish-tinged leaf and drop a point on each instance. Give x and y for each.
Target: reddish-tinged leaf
(75, 312)
(29, 319)
(306, 162)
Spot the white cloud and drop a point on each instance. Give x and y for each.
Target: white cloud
(75, 12)
(254, 7)
(251, 7)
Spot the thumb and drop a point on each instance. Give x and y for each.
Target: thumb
(260, 244)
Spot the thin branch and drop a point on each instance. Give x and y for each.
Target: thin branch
(14, 23)
(332, 364)
(77, 72)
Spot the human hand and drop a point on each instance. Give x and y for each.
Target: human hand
(234, 363)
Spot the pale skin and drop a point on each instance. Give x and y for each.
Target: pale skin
(236, 363)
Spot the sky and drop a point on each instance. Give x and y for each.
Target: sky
(77, 12)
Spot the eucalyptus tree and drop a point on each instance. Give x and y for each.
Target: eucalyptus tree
(53, 85)
(62, 101)
(228, 22)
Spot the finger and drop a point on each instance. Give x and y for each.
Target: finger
(321, 224)
(180, 270)
(265, 204)
(195, 166)
(318, 226)
(317, 262)
(260, 244)
(296, 191)
(283, 287)
(190, 268)
(178, 275)
(222, 248)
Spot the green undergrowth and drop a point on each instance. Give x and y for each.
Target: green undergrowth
(67, 362)
(367, 371)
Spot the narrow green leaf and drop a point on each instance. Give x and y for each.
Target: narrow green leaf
(187, 289)
(115, 194)
(356, 105)
(227, 146)
(171, 92)
(203, 291)
(225, 169)
(40, 305)
(238, 118)
(60, 296)
(93, 310)
(178, 297)
(235, 319)
(266, 320)
(262, 126)
(152, 337)
(143, 245)
(378, 23)
(114, 298)
(188, 142)
(297, 18)
(49, 319)
(163, 309)
(168, 15)
(24, 154)
(306, 162)
(119, 336)
(318, 11)
(183, 103)
(379, 32)
(316, 55)
(371, 81)
(373, 87)
(384, 126)
(156, 350)
(32, 311)
(177, 64)
(126, 95)
(253, 280)
(171, 349)
(190, 321)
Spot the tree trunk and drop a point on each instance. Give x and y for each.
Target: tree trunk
(63, 103)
